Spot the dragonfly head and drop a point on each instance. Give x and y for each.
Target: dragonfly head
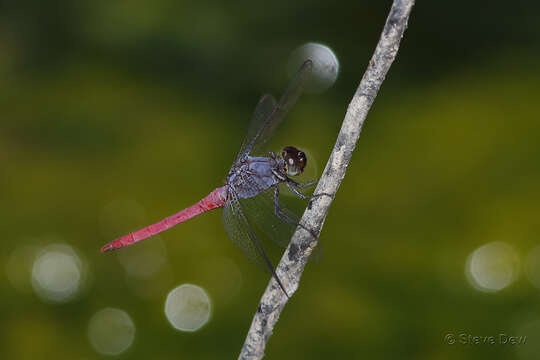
(295, 160)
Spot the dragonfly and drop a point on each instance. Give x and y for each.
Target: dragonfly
(250, 197)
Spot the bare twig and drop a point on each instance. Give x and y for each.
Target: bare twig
(302, 243)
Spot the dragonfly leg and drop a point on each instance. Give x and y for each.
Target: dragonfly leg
(306, 185)
(280, 176)
(280, 214)
(294, 186)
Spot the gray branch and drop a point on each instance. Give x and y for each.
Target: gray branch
(302, 243)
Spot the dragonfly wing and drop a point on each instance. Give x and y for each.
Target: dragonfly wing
(263, 125)
(260, 211)
(262, 111)
(243, 236)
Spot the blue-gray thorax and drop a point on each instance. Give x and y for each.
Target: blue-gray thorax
(252, 175)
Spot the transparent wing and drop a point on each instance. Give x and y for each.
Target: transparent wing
(260, 211)
(262, 111)
(264, 123)
(243, 236)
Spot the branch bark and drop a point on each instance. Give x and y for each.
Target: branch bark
(294, 259)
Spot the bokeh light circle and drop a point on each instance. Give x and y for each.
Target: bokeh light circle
(57, 273)
(325, 65)
(111, 331)
(492, 267)
(188, 307)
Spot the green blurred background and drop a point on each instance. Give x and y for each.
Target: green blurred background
(114, 114)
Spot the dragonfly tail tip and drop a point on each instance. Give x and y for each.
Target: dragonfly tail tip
(108, 247)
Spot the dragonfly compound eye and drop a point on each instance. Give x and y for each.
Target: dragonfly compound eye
(295, 160)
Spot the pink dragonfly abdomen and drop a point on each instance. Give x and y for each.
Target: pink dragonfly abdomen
(214, 200)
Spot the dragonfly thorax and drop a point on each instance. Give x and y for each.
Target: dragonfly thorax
(255, 174)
